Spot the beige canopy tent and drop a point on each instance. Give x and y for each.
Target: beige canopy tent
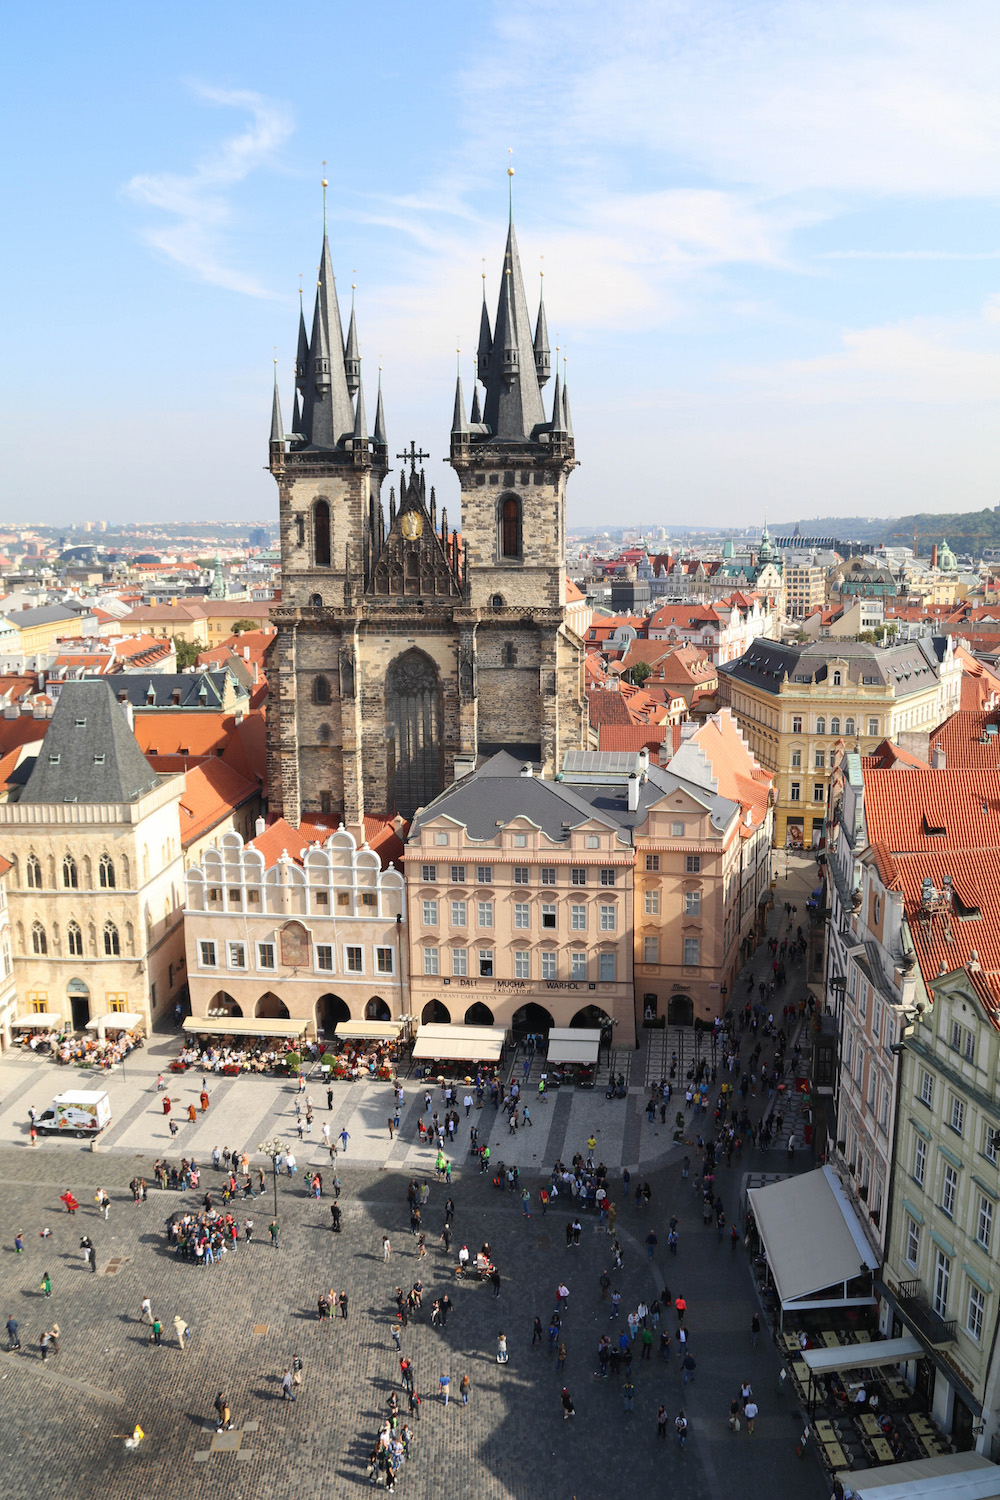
(116, 1020)
(446, 1043)
(960, 1476)
(572, 1044)
(244, 1026)
(37, 1020)
(863, 1356)
(368, 1031)
(815, 1245)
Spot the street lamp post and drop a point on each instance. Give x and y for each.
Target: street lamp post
(273, 1148)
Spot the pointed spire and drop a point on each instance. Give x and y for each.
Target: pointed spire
(327, 409)
(510, 354)
(432, 510)
(567, 419)
(558, 421)
(476, 415)
(543, 368)
(352, 356)
(361, 438)
(392, 505)
(459, 426)
(381, 441)
(277, 429)
(302, 350)
(513, 409)
(296, 416)
(485, 338)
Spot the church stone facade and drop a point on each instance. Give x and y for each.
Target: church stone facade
(409, 647)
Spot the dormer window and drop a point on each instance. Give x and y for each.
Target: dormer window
(836, 679)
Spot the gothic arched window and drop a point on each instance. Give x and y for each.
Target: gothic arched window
(321, 533)
(413, 721)
(509, 654)
(497, 601)
(74, 939)
(107, 873)
(510, 526)
(321, 690)
(39, 942)
(34, 873)
(316, 601)
(69, 872)
(112, 942)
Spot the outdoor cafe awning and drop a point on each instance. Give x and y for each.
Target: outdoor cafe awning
(243, 1026)
(368, 1031)
(862, 1356)
(570, 1044)
(960, 1476)
(812, 1236)
(116, 1020)
(446, 1043)
(39, 1020)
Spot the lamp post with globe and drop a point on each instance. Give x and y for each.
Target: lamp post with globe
(273, 1148)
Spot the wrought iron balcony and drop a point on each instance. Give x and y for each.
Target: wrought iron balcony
(929, 1324)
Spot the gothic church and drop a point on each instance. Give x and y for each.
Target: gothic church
(408, 647)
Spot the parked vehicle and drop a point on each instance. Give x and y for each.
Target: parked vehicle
(79, 1112)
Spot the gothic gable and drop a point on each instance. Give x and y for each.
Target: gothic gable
(414, 561)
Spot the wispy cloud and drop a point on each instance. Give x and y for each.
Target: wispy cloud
(199, 202)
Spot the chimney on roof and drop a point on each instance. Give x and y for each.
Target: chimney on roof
(938, 758)
(526, 770)
(258, 828)
(633, 792)
(644, 761)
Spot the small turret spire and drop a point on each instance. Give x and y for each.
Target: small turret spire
(352, 357)
(361, 438)
(381, 441)
(567, 419)
(277, 429)
(302, 349)
(485, 336)
(459, 426)
(476, 415)
(542, 353)
(558, 423)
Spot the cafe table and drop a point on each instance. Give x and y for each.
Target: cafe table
(836, 1456)
(825, 1431)
(898, 1389)
(922, 1424)
(870, 1424)
(883, 1452)
(801, 1371)
(830, 1339)
(863, 1336)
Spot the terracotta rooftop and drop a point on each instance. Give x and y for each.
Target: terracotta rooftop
(933, 811)
(608, 708)
(212, 791)
(974, 920)
(633, 737)
(740, 776)
(280, 837)
(966, 742)
(890, 757)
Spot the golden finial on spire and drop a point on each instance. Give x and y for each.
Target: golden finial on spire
(325, 186)
(510, 165)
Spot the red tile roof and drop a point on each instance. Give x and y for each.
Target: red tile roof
(212, 791)
(280, 837)
(608, 708)
(633, 737)
(974, 919)
(931, 811)
(964, 740)
(740, 776)
(890, 757)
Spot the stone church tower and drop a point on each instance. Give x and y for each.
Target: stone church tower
(406, 650)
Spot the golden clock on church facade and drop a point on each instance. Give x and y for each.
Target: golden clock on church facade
(412, 525)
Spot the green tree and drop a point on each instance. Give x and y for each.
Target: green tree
(640, 672)
(187, 653)
(245, 624)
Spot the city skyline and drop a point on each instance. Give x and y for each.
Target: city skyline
(769, 237)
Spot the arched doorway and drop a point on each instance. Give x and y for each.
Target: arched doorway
(224, 1005)
(591, 1018)
(435, 1012)
(532, 1020)
(413, 724)
(680, 1011)
(377, 1010)
(479, 1015)
(270, 1008)
(329, 1010)
(78, 995)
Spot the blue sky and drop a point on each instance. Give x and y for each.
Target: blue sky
(770, 237)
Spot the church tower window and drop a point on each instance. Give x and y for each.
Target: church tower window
(321, 533)
(321, 690)
(413, 716)
(510, 526)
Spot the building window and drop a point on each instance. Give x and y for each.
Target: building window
(522, 914)
(484, 875)
(949, 1190)
(321, 690)
(441, 840)
(984, 1222)
(677, 830)
(991, 1144)
(926, 1088)
(206, 953)
(324, 957)
(836, 679)
(520, 841)
(549, 917)
(607, 968)
(796, 792)
(430, 913)
(692, 864)
(509, 654)
(548, 875)
(653, 862)
(608, 877)
(520, 874)
(578, 918)
(821, 725)
(578, 874)
(835, 725)
(577, 965)
(819, 792)
(459, 910)
(429, 874)
(265, 955)
(460, 962)
(821, 760)
(957, 1118)
(942, 1276)
(976, 1313)
(458, 874)
(796, 723)
(34, 873)
(652, 902)
(692, 903)
(912, 1241)
(651, 950)
(106, 873)
(112, 943)
(69, 873)
(430, 960)
(237, 955)
(321, 533)
(522, 963)
(849, 727)
(355, 960)
(796, 759)
(593, 842)
(385, 961)
(548, 964)
(873, 726)
(510, 526)
(692, 951)
(486, 963)
(609, 918)
(485, 911)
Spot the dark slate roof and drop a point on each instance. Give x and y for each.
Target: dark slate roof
(89, 753)
(513, 407)
(41, 614)
(195, 689)
(908, 667)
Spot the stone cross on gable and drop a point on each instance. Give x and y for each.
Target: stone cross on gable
(413, 455)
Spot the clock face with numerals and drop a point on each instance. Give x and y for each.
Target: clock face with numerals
(412, 525)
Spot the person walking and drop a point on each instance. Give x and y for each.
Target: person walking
(146, 1309)
(628, 1391)
(561, 1357)
(345, 1136)
(13, 1336)
(688, 1366)
(569, 1409)
(444, 1386)
(386, 1247)
(750, 1412)
(681, 1424)
(526, 1203)
(103, 1202)
(646, 1339)
(157, 1333)
(46, 1286)
(273, 1231)
(661, 1423)
(465, 1389)
(651, 1244)
(203, 1100)
(754, 1331)
(181, 1331)
(287, 1394)
(223, 1412)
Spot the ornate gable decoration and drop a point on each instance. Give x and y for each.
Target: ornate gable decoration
(414, 561)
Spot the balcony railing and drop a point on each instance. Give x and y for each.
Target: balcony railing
(936, 1330)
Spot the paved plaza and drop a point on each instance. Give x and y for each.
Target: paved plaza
(66, 1420)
